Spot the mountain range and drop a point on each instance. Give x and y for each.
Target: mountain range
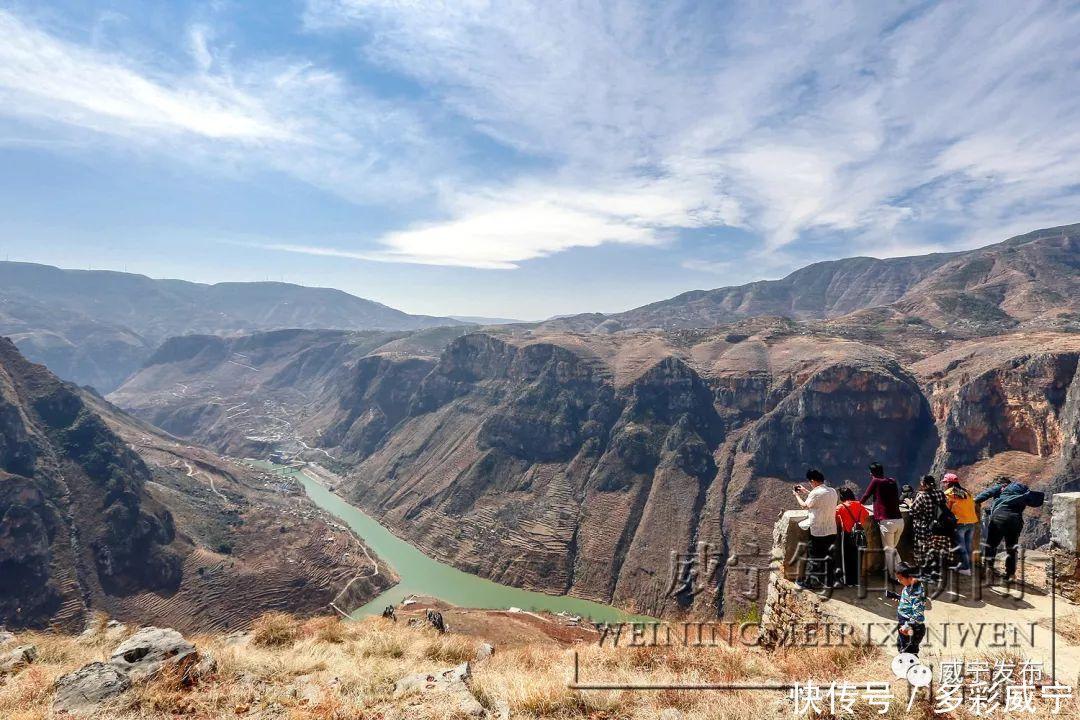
(1026, 280)
(96, 327)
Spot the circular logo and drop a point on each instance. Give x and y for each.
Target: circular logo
(902, 663)
(920, 676)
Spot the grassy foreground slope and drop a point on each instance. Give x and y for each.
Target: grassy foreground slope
(327, 669)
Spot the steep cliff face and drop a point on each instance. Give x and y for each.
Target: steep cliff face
(528, 464)
(73, 494)
(1008, 405)
(249, 394)
(374, 397)
(573, 465)
(99, 511)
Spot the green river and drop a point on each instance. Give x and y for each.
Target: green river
(422, 575)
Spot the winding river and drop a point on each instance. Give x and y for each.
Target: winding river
(423, 575)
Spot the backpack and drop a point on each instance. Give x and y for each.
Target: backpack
(857, 533)
(944, 522)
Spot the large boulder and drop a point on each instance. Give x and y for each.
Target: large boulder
(82, 692)
(452, 684)
(150, 649)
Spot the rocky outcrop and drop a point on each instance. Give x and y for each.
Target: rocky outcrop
(145, 653)
(11, 661)
(451, 685)
(84, 692)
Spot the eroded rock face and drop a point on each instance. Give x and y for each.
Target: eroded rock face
(813, 425)
(375, 399)
(1016, 405)
(559, 476)
(85, 691)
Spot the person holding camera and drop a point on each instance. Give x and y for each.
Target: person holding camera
(820, 502)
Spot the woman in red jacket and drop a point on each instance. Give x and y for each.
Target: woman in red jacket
(852, 520)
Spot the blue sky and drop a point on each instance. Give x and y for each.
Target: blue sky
(524, 159)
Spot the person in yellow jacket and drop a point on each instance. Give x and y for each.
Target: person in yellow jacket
(962, 504)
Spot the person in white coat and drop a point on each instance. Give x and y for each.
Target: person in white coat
(820, 502)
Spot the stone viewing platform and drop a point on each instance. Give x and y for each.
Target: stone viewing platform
(964, 618)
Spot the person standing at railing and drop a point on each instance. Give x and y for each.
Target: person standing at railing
(820, 501)
(851, 520)
(886, 496)
(962, 505)
(1006, 520)
(934, 527)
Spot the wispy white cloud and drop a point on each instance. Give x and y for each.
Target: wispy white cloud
(41, 75)
(284, 113)
(878, 124)
(707, 266)
(818, 127)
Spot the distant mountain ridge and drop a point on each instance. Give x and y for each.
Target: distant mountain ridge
(96, 326)
(1022, 278)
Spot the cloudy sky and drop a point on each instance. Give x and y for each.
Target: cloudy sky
(524, 159)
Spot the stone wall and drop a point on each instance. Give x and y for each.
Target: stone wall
(1065, 544)
(788, 606)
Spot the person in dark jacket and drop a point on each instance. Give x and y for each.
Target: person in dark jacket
(886, 495)
(1006, 520)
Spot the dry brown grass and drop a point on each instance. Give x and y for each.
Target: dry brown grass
(327, 629)
(325, 669)
(275, 630)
